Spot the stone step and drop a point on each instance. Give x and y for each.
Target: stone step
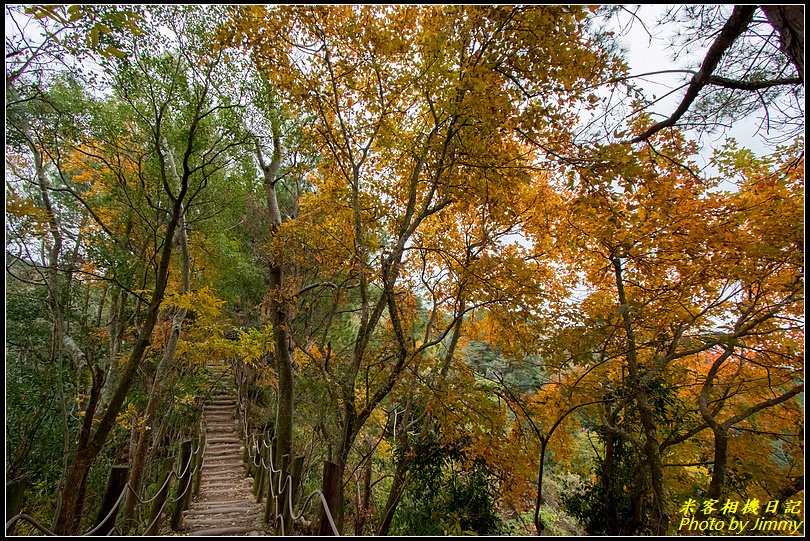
(213, 435)
(213, 466)
(223, 441)
(216, 408)
(213, 416)
(221, 444)
(217, 424)
(218, 448)
(221, 429)
(219, 503)
(213, 522)
(218, 416)
(237, 470)
(241, 509)
(223, 438)
(219, 458)
(222, 449)
(223, 459)
(218, 462)
(228, 530)
(226, 484)
(219, 420)
(232, 495)
(244, 507)
(212, 423)
(224, 477)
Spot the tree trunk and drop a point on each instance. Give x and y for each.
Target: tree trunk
(538, 522)
(332, 488)
(652, 451)
(718, 482)
(118, 304)
(364, 497)
(278, 314)
(394, 497)
(86, 453)
(144, 436)
(651, 447)
(610, 508)
(788, 21)
(54, 299)
(637, 505)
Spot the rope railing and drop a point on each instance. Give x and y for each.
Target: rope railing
(128, 489)
(199, 450)
(256, 453)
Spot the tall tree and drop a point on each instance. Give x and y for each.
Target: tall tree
(679, 285)
(445, 129)
(165, 102)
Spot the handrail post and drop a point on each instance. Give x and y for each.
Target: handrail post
(182, 487)
(157, 506)
(117, 482)
(271, 484)
(331, 492)
(296, 471)
(15, 493)
(290, 493)
(198, 464)
(261, 474)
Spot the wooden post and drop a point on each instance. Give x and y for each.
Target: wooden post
(15, 493)
(261, 473)
(296, 471)
(115, 485)
(182, 486)
(246, 454)
(156, 513)
(272, 485)
(290, 492)
(332, 493)
(270, 477)
(198, 464)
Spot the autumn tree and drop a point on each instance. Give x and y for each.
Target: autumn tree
(447, 249)
(676, 286)
(167, 112)
(406, 134)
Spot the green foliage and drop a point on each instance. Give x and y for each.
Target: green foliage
(524, 375)
(447, 495)
(35, 419)
(614, 501)
(607, 506)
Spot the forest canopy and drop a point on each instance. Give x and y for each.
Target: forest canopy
(472, 277)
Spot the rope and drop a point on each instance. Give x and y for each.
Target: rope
(31, 520)
(255, 451)
(128, 487)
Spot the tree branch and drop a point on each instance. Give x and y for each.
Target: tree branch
(737, 24)
(725, 82)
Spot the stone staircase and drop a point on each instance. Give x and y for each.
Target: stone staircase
(225, 504)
